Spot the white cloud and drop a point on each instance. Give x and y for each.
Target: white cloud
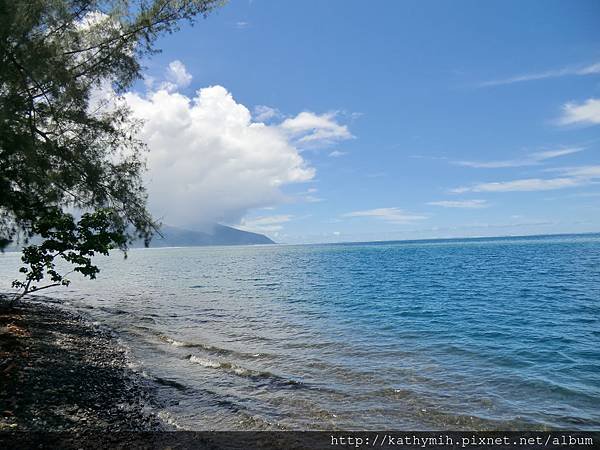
(391, 215)
(309, 196)
(241, 25)
(92, 19)
(528, 184)
(337, 153)
(264, 224)
(263, 113)
(308, 128)
(176, 76)
(591, 69)
(587, 113)
(570, 177)
(149, 81)
(586, 172)
(208, 162)
(469, 204)
(528, 160)
(548, 154)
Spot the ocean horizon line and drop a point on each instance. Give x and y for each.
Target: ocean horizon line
(383, 241)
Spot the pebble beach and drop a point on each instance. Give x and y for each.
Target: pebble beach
(62, 372)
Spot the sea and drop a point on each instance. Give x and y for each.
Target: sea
(471, 334)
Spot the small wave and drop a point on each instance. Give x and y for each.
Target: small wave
(204, 362)
(208, 348)
(242, 371)
(227, 366)
(174, 342)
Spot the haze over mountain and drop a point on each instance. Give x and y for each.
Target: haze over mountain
(216, 235)
(178, 237)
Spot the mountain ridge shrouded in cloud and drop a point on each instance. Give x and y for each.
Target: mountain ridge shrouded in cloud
(215, 235)
(210, 161)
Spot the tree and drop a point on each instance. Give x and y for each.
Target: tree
(64, 147)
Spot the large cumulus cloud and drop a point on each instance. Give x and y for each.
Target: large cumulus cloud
(208, 161)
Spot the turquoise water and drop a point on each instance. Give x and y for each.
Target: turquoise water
(459, 334)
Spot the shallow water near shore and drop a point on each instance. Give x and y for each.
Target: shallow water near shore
(459, 334)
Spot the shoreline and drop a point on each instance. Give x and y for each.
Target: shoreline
(61, 372)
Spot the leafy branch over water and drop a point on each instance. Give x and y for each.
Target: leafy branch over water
(64, 144)
(75, 243)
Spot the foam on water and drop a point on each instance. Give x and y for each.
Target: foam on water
(205, 362)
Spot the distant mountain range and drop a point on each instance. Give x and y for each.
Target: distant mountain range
(219, 235)
(178, 237)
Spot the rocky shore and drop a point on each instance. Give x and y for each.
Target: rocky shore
(60, 372)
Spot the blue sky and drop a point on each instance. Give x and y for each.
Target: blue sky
(421, 119)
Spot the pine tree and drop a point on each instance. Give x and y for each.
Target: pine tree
(63, 147)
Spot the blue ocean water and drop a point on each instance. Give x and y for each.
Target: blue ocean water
(460, 334)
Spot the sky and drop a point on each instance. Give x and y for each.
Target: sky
(342, 120)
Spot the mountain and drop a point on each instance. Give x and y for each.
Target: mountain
(178, 237)
(219, 235)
